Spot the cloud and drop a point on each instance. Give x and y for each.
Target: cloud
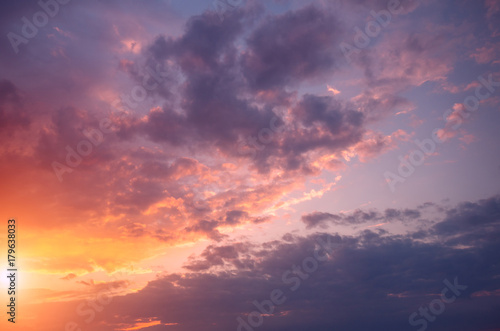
(470, 223)
(359, 216)
(175, 158)
(317, 218)
(390, 276)
(375, 144)
(69, 276)
(235, 255)
(391, 68)
(492, 16)
(487, 54)
(454, 120)
(12, 113)
(173, 171)
(207, 227)
(292, 47)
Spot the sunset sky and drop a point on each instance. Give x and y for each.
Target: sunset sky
(172, 163)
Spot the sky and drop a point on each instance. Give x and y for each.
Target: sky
(251, 165)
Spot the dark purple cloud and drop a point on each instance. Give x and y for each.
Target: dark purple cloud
(292, 47)
(12, 112)
(208, 228)
(373, 280)
(358, 217)
(472, 223)
(218, 106)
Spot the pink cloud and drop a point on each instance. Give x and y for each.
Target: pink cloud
(487, 54)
